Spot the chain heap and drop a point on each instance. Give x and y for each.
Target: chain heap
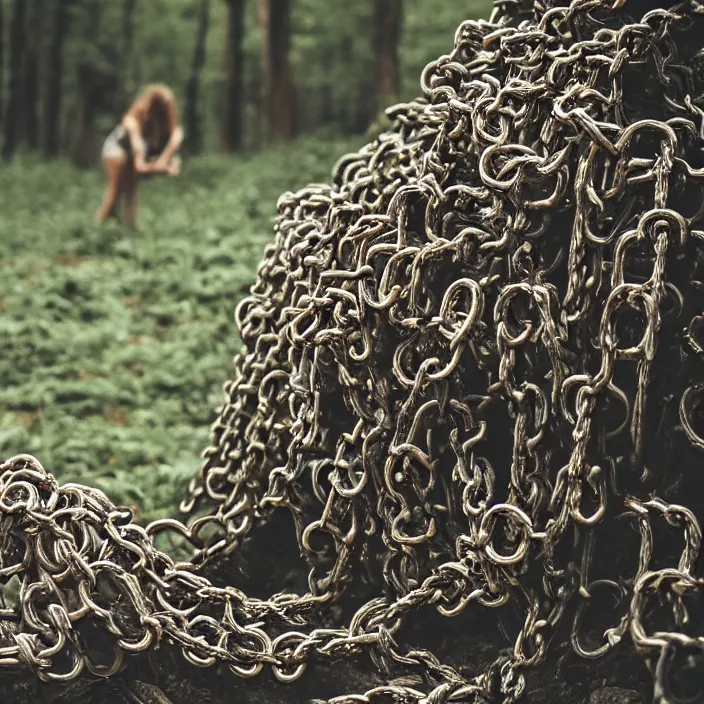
(473, 373)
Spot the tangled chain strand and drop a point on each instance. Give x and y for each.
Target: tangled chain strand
(453, 356)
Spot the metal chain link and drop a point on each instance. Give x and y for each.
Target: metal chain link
(451, 377)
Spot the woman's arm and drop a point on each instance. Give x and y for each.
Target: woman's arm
(175, 140)
(138, 148)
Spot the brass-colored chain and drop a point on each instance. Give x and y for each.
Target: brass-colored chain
(457, 359)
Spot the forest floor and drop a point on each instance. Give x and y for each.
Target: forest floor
(117, 342)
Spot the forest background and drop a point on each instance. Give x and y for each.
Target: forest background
(246, 72)
(116, 342)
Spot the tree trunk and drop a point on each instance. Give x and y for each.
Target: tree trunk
(191, 116)
(54, 75)
(31, 74)
(233, 64)
(128, 10)
(84, 144)
(277, 84)
(13, 116)
(2, 61)
(388, 20)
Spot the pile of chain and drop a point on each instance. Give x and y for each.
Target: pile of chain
(473, 373)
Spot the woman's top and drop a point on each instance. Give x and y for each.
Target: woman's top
(118, 143)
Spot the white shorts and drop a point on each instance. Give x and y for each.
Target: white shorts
(112, 147)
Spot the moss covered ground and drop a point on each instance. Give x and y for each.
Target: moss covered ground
(116, 342)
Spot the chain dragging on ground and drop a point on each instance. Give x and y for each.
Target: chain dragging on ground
(473, 373)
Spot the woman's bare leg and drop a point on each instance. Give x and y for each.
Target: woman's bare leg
(114, 168)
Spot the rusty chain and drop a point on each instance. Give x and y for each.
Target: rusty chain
(460, 359)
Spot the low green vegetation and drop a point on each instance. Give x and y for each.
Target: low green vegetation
(116, 343)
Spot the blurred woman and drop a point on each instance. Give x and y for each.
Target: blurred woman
(145, 142)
